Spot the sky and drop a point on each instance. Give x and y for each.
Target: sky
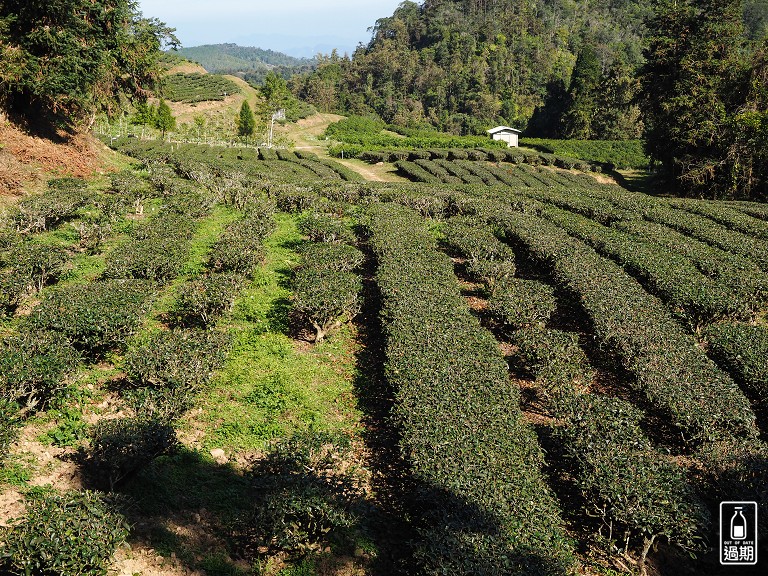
(296, 27)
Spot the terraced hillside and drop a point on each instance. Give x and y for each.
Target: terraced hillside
(279, 368)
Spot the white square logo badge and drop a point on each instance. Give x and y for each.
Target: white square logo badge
(738, 533)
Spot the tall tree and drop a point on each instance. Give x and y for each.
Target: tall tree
(694, 83)
(69, 58)
(246, 123)
(165, 121)
(583, 93)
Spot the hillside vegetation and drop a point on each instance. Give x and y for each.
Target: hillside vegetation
(249, 63)
(299, 370)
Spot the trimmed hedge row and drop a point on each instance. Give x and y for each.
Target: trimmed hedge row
(517, 303)
(489, 260)
(438, 172)
(722, 214)
(694, 225)
(72, 533)
(743, 277)
(39, 212)
(34, 365)
(670, 370)
(664, 272)
(481, 505)
(326, 290)
(743, 351)
(239, 249)
(415, 173)
(640, 494)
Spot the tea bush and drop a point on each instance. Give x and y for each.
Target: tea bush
(36, 263)
(517, 303)
(95, 317)
(641, 494)
(156, 251)
(325, 228)
(239, 249)
(40, 212)
(339, 257)
(11, 422)
(202, 301)
(120, 447)
(481, 504)
(669, 369)
(75, 533)
(34, 365)
(325, 298)
(305, 502)
(172, 359)
(743, 351)
(557, 362)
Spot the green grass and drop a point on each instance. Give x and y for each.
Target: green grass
(271, 385)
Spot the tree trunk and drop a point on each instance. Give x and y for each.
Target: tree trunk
(648, 543)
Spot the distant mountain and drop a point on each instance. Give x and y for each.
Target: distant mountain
(247, 62)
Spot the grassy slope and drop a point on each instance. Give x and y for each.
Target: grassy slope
(272, 385)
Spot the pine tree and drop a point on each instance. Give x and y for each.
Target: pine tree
(164, 119)
(246, 123)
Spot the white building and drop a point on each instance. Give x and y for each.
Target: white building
(505, 134)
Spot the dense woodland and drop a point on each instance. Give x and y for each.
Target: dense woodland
(601, 69)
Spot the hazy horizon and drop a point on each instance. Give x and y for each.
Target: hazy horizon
(295, 27)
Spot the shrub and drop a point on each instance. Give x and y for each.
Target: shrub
(415, 173)
(156, 251)
(304, 501)
(339, 257)
(643, 495)
(37, 263)
(267, 154)
(41, 212)
(457, 154)
(476, 155)
(34, 365)
(293, 199)
(94, 317)
(239, 249)
(374, 156)
(464, 236)
(743, 351)
(325, 298)
(671, 372)
(11, 422)
(75, 533)
(557, 362)
(175, 359)
(122, 446)
(516, 303)
(492, 272)
(325, 228)
(13, 287)
(202, 301)
(480, 504)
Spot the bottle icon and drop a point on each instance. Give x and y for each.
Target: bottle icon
(738, 525)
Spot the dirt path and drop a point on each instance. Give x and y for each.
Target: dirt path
(372, 173)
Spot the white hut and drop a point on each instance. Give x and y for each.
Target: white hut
(505, 134)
